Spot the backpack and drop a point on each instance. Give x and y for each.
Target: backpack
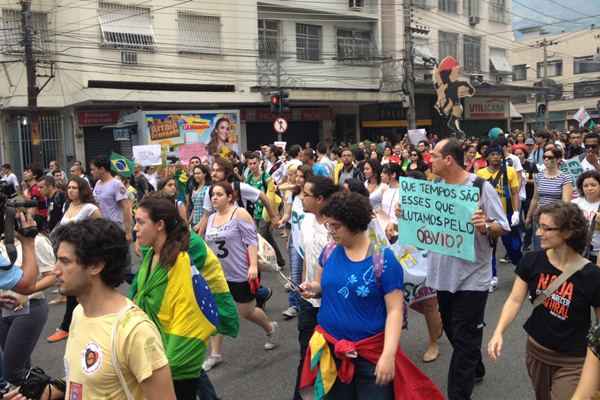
(250, 206)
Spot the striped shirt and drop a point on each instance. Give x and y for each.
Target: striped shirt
(550, 189)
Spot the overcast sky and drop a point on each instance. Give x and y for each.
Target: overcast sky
(533, 12)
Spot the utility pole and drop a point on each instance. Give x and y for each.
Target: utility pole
(409, 72)
(32, 88)
(279, 136)
(544, 45)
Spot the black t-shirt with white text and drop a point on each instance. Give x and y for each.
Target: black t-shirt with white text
(563, 320)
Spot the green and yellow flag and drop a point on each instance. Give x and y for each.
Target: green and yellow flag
(121, 165)
(188, 302)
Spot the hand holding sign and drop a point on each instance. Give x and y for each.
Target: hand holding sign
(440, 217)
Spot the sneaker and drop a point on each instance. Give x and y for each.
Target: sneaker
(504, 261)
(212, 361)
(260, 302)
(4, 388)
(58, 336)
(290, 313)
(493, 284)
(273, 337)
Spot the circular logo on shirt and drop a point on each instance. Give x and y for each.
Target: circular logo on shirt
(91, 358)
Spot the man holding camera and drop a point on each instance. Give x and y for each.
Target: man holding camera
(20, 279)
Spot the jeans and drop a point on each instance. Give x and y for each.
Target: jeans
(296, 264)
(68, 316)
(363, 386)
(186, 389)
(307, 321)
(206, 390)
(463, 320)
(18, 337)
(264, 228)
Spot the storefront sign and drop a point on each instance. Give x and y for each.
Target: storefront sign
(216, 130)
(96, 118)
(487, 108)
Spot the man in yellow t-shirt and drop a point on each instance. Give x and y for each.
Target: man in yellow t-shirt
(496, 173)
(90, 265)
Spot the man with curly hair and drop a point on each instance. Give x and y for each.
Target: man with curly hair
(110, 336)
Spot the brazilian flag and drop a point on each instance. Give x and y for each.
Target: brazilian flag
(121, 165)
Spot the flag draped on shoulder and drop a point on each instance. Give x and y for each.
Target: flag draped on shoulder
(121, 165)
(188, 302)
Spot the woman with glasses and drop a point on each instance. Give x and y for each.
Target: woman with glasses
(415, 161)
(557, 326)
(360, 285)
(550, 186)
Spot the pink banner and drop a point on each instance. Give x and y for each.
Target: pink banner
(187, 151)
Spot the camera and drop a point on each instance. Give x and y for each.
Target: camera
(9, 204)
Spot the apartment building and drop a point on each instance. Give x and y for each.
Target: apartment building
(477, 33)
(573, 76)
(104, 64)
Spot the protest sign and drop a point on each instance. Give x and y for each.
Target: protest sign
(573, 168)
(437, 217)
(187, 151)
(147, 155)
(416, 135)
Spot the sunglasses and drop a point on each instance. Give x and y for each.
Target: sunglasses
(591, 146)
(549, 157)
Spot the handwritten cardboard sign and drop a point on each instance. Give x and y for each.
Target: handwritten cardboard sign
(437, 217)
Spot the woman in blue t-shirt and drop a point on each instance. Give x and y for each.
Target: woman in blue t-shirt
(361, 288)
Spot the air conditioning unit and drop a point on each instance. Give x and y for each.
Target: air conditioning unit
(474, 20)
(356, 5)
(129, 57)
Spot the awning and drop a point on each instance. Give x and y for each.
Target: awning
(513, 112)
(422, 52)
(500, 63)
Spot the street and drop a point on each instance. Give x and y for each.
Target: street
(249, 372)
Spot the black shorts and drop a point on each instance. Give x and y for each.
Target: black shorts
(241, 291)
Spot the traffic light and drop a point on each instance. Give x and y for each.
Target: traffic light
(275, 102)
(541, 109)
(284, 98)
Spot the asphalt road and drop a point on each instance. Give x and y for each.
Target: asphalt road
(249, 372)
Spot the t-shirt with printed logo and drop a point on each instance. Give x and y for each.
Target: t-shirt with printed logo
(563, 320)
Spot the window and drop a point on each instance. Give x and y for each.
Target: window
(449, 6)
(448, 43)
(587, 89)
(354, 46)
(11, 35)
(308, 42)
(583, 65)
(472, 53)
(498, 12)
(499, 62)
(268, 38)
(554, 68)
(425, 4)
(126, 27)
(198, 33)
(520, 72)
(471, 8)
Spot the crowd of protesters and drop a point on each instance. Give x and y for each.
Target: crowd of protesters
(214, 216)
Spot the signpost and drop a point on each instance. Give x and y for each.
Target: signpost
(280, 125)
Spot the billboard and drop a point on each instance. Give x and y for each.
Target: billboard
(216, 130)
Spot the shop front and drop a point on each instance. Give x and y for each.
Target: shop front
(305, 125)
(482, 113)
